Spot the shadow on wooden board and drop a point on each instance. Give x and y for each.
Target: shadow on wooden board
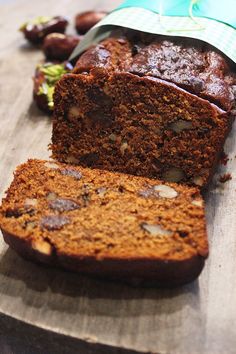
(16, 337)
(74, 305)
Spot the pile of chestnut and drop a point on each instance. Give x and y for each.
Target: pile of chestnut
(49, 34)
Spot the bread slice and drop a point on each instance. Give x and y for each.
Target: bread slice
(106, 224)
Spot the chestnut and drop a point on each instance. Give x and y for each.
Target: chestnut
(86, 20)
(38, 28)
(58, 46)
(45, 78)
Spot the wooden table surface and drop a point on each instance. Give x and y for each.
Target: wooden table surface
(197, 318)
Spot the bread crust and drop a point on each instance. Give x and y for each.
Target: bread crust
(141, 271)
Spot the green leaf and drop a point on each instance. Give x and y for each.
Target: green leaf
(53, 72)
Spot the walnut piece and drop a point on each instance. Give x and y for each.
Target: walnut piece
(197, 202)
(198, 180)
(112, 137)
(31, 202)
(165, 191)
(124, 147)
(101, 191)
(180, 125)
(30, 225)
(51, 196)
(42, 247)
(74, 111)
(155, 230)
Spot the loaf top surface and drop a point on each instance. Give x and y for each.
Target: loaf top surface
(188, 63)
(82, 212)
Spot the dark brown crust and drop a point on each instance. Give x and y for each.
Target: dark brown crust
(158, 272)
(190, 64)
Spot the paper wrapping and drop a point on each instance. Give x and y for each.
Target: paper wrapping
(192, 21)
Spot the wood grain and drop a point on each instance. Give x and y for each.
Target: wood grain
(197, 318)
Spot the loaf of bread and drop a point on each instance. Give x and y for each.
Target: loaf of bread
(148, 106)
(106, 224)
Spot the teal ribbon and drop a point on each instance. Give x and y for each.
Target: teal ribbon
(219, 10)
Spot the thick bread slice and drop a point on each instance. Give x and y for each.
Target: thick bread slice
(105, 224)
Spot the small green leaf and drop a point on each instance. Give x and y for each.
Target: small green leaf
(53, 72)
(40, 20)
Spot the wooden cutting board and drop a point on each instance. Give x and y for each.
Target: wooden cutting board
(197, 318)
